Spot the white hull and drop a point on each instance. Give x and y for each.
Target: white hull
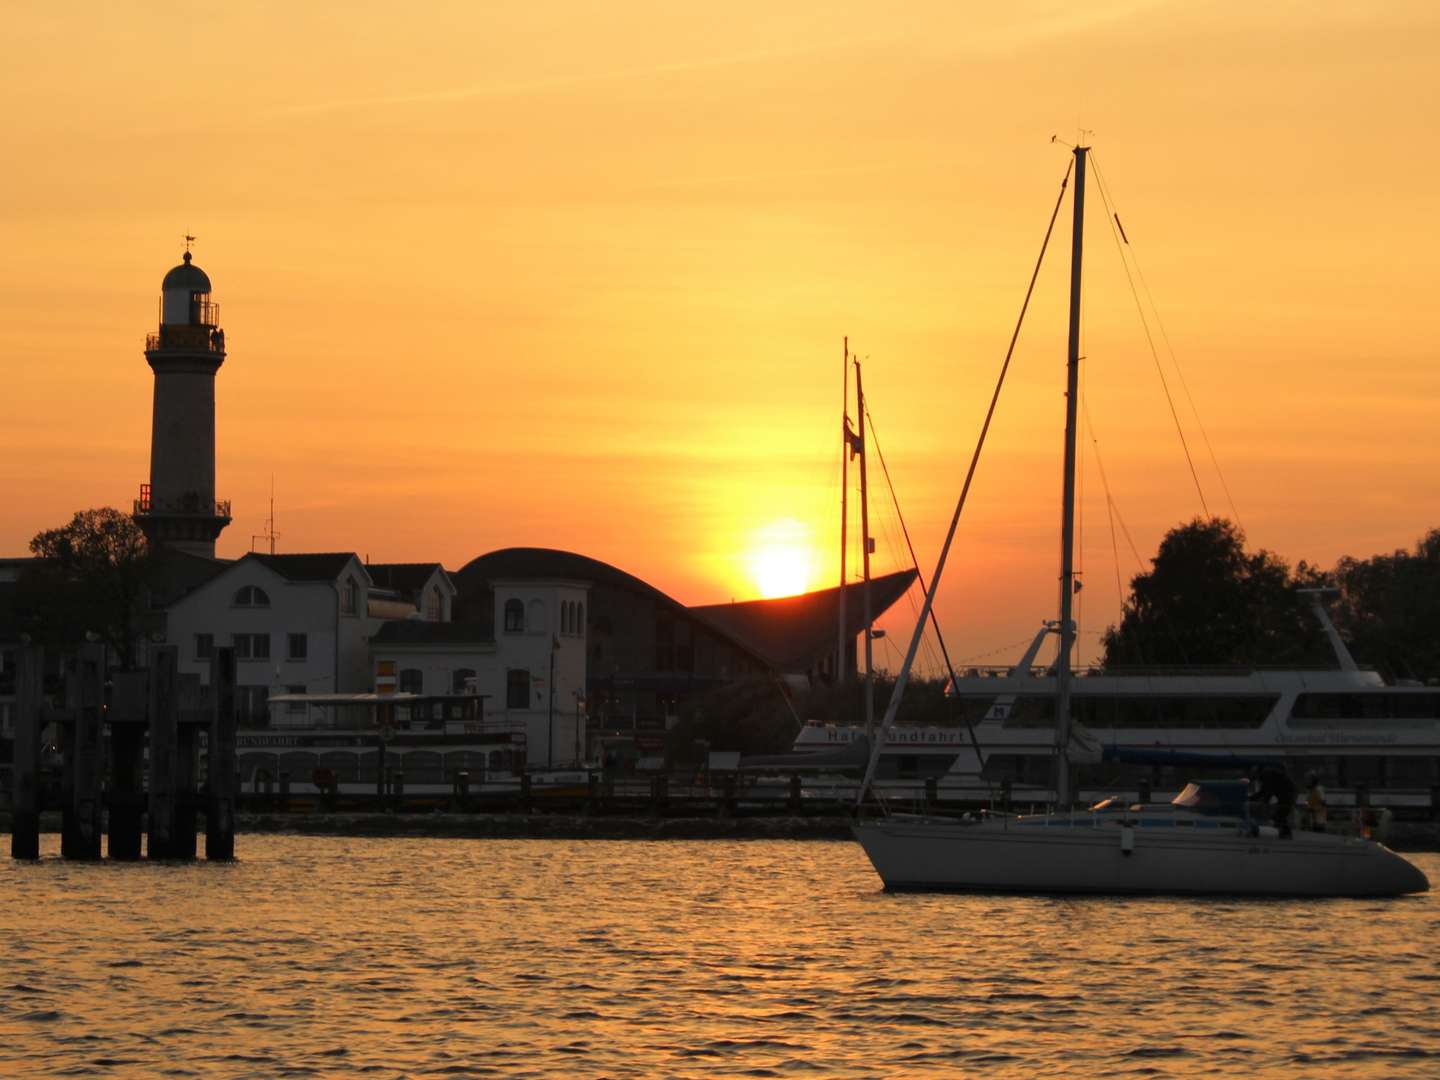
(1053, 855)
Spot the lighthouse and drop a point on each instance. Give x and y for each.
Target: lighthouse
(177, 508)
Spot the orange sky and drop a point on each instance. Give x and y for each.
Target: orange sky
(576, 275)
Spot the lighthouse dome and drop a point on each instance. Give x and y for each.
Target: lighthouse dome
(186, 277)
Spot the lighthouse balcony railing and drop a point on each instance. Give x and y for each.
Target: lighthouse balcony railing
(185, 505)
(200, 338)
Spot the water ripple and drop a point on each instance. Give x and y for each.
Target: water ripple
(336, 957)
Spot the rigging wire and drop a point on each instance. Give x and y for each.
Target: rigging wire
(914, 559)
(903, 677)
(1139, 562)
(1115, 232)
(1169, 348)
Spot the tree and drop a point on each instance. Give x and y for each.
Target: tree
(1206, 600)
(89, 579)
(1389, 609)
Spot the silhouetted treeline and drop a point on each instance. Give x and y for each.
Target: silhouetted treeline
(1206, 600)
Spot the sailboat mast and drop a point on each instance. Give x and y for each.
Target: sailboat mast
(841, 652)
(1063, 791)
(865, 548)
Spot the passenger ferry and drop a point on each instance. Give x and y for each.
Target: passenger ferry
(1357, 732)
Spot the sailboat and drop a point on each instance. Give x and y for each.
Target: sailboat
(1204, 842)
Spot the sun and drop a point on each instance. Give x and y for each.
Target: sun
(781, 558)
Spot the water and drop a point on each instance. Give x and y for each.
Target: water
(318, 956)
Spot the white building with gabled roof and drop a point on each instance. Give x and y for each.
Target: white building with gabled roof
(298, 623)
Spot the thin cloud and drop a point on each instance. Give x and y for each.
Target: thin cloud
(531, 86)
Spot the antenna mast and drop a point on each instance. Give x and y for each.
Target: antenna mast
(269, 535)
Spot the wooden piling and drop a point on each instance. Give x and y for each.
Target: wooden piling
(192, 716)
(25, 817)
(81, 825)
(221, 779)
(127, 717)
(164, 720)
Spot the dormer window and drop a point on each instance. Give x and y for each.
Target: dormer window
(251, 596)
(514, 616)
(350, 597)
(435, 605)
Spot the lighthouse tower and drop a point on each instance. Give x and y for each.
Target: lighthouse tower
(177, 508)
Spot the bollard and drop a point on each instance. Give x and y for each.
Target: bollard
(25, 814)
(794, 801)
(932, 792)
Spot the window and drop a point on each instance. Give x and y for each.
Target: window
(250, 706)
(461, 680)
(579, 618)
(295, 706)
(251, 596)
(565, 616)
(297, 646)
(517, 689)
(514, 617)
(252, 646)
(350, 597)
(435, 605)
(412, 681)
(204, 646)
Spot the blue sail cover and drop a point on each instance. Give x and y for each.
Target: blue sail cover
(1215, 798)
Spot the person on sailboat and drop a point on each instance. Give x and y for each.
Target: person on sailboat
(1275, 791)
(1315, 801)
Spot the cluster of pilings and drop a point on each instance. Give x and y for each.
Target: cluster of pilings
(132, 754)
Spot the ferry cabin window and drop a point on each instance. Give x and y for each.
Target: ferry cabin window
(514, 616)
(517, 689)
(1132, 710)
(204, 646)
(297, 646)
(251, 596)
(1366, 707)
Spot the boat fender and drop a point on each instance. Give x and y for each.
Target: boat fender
(1127, 839)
